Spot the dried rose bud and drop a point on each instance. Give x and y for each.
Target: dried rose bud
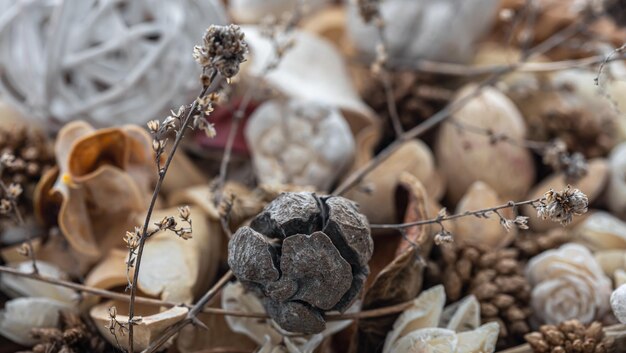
(304, 255)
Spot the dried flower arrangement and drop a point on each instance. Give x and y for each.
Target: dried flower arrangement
(332, 232)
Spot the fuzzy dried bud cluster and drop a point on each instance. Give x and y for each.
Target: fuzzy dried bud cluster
(224, 49)
(562, 206)
(569, 337)
(574, 166)
(304, 255)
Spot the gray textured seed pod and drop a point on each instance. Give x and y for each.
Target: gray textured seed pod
(304, 255)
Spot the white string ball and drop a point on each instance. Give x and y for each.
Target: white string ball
(109, 62)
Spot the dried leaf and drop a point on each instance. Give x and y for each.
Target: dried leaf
(400, 280)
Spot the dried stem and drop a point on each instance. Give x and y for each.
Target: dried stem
(440, 219)
(386, 81)
(215, 82)
(357, 176)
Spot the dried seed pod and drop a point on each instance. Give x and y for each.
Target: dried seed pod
(304, 255)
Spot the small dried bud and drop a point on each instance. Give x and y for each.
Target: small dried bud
(574, 165)
(168, 222)
(185, 233)
(369, 9)
(223, 49)
(14, 191)
(7, 159)
(156, 145)
(153, 126)
(443, 237)
(521, 222)
(113, 312)
(24, 250)
(184, 212)
(132, 239)
(5, 206)
(562, 206)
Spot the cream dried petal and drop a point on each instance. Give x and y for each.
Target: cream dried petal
(16, 286)
(21, 315)
(480, 340)
(464, 315)
(425, 312)
(432, 340)
(602, 231)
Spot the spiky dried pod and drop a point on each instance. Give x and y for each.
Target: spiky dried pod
(303, 255)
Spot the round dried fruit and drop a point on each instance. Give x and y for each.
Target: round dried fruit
(304, 255)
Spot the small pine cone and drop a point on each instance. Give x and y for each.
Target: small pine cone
(531, 244)
(569, 337)
(416, 96)
(497, 280)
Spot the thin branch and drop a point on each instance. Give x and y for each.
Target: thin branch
(215, 82)
(384, 76)
(441, 219)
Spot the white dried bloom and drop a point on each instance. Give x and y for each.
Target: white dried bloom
(563, 206)
(574, 166)
(521, 222)
(568, 283)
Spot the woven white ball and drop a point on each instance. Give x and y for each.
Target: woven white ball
(107, 61)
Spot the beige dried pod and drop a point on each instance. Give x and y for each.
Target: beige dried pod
(21, 315)
(182, 174)
(299, 142)
(619, 277)
(265, 332)
(611, 261)
(375, 194)
(618, 303)
(252, 11)
(439, 30)
(150, 328)
(478, 231)
(466, 157)
(592, 185)
(421, 327)
(601, 231)
(616, 187)
(568, 283)
(15, 286)
(311, 70)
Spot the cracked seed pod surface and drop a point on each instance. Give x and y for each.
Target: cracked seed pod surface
(304, 255)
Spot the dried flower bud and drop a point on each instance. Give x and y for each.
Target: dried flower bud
(223, 49)
(14, 191)
(369, 9)
(5, 206)
(184, 212)
(132, 239)
(574, 166)
(521, 222)
(184, 233)
(167, 222)
(443, 237)
(153, 126)
(24, 250)
(562, 206)
(303, 255)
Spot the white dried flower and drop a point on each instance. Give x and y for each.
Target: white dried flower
(153, 126)
(568, 283)
(574, 166)
(184, 212)
(563, 206)
(521, 222)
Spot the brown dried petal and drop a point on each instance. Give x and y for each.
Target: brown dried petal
(323, 275)
(296, 317)
(251, 257)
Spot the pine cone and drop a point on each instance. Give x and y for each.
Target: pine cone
(497, 280)
(72, 336)
(303, 255)
(32, 152)
(569, 337)
(531, 244)
(417, 97)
